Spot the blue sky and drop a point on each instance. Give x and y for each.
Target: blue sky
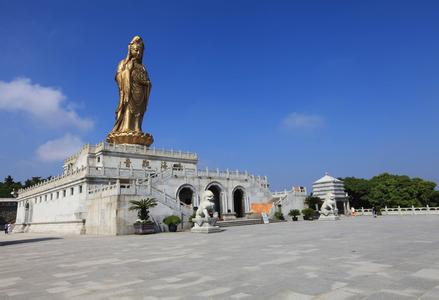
(279, 88)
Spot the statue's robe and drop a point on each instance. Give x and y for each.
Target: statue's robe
(134, 89)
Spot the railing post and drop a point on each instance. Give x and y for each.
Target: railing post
(118, 186)
(413, 210)
(428, 209)
(362, 211)
(385, 209)
(164, 194)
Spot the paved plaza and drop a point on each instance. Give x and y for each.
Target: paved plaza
(354, 258)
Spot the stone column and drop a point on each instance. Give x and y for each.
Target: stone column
(223, 202)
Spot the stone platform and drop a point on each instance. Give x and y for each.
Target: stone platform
(329, 218)
(206, 229)
(355, 258)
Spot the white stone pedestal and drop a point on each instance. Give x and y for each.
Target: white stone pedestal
(206, 228)
(329, 218)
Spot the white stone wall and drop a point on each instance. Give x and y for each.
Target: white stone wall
(54, 204)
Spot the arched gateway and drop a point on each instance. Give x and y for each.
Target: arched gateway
(238, 202)
(185, 194)
(216, 189)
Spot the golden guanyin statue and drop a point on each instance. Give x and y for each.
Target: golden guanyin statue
(134, 89)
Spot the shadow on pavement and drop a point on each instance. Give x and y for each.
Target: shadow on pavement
(7, 243)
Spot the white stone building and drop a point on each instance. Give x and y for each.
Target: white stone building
(93, 193)
(292, 199)
(328, 184)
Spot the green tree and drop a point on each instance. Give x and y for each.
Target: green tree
(142, 207)
(399, 190)
(8, 186)
(33, 181)
(358, 190)
(313, 202)
(434, 199)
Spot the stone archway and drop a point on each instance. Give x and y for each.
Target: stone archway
(216, 190)
(238, 202)
(185, 194)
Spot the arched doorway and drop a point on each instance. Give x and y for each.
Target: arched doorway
(238, 202)
(216, 190)
(185, 194)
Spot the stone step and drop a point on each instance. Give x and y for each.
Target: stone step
(238, 222)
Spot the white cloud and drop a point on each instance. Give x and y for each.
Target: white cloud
(46, 104)
(59, 149)
(302, 121)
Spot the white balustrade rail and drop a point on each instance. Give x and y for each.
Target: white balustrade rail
(146, 174)
(133, 149)
(399, 211)
(142, 189)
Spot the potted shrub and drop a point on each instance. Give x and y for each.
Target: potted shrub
(172, 222)
(143, 225)
(308, 214)
(294, 213)
(279, 216)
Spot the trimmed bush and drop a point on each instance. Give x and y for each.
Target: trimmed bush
(308, 213)
(279, 216)
(175, 220)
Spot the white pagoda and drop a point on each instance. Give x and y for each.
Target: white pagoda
(328, 184)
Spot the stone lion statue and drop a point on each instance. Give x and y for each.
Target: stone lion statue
(328, 206)
(206, 210)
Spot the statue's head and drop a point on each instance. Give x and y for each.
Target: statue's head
(331, 196)
(208, 196)
(135, 48)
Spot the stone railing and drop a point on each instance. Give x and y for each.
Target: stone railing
(55, 181)
(146, 174)
(103, 146)
(171, 202)
(284, 193)
(231, 174)
(395, 211)
(86, 147)
(145, 150)
(118, 172)
(135, 189)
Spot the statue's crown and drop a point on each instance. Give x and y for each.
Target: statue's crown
(137, 40)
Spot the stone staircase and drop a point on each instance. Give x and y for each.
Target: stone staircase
(243, 222)
(238, 222)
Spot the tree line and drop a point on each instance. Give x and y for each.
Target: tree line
(391, 191)
(9, 185)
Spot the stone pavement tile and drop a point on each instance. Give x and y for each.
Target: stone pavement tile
(215, 292)
(432, 294)
(432, 274)
(340, 294)
(418, 283)
(386, 295)
(290, 295)
(240, 296)
(9, 281)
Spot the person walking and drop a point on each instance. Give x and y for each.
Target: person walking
(374, 212)
(6, 228)
(353, 211)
